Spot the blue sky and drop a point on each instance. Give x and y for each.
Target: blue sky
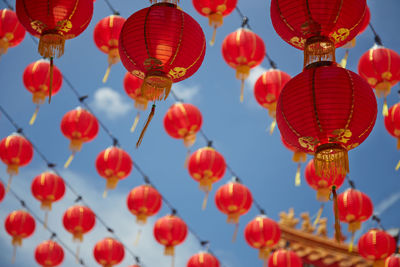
(237, 130)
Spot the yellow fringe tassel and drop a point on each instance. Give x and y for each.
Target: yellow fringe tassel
(235, 233)
(272, 127)
(69, 160)
(316, 221)
(105, 78)
(185, 165)
(343, 62)
(297, 178)
(9, 183)
(51, 78)
(173, 261)
(46, 218)
(135, 122)
(151, 115)
(105, 192)
(204, 205)
(77, 253)
(331, 159)
(398, 166)
(14, 254)
(351, 242)
(241, 91)
(137, 239)
(385, 111)
(51, 45)
(212, 42)
(33, 118)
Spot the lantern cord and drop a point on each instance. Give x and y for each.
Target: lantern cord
(385, 111)
(185, 165)
(297, 178)
(105, 192)
(378, 221)
(212, 41)
(149, 118)
(9, 183)
(105, 78)
(235, 233)
(173, 260)
(204, 205)
(46, 219)
(241, 91)
(135, 122)
(351, 242)
(137, 239)
(78, 250)
(14, 254)
(38, 219)
(319, 213)
(398, 166)
(51, 78)
(338, 234)
(377, 39)
(113, 10)
(69, 160)
(343, 62)
(34, 115)
(9, 6)
(272, 127)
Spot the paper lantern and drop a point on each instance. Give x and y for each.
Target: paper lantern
(183, 121)
(363, 27)
(19, 225)
(109, 252)
(203, 259)
(267, 90)
(144, 201)
(113, 164)
(215, 11)
(333, 111)
(133, 88)
(170, 231)
(49, 254)
(380, 67)
(298, 157)
(12, 33)
(2, 191)
(392, 124)
(36, 79)
(79, 220)
(161, 55)
(106, 36)
(262, 233)
(317, 27)
(376, 245)
(393, 261)
(322, 184)
(243, 50)
(284, 258)
(79, 126)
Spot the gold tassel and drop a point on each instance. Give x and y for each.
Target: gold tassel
(156, 85)
(185, 165)
(331, 159)
(149, 118)
(105, 192)
(235, 233)
(385, 111)
(77, 253)
(338, 234)
(204, 205)
(241, 91)
(297, 179)
(9, 183)
(398, 143)
(14, 254)
(398, 166)
(169, 250)
(51, 78)
(105, 78)
(135, 122)
(272, 127)
(51, 45)
(343, 62)
(316, 221)
(69, 160)
(173, 261)
(137, 239)
(212, 42)
(351, 242)
(46, 218)
(317, 49)
(33, 118)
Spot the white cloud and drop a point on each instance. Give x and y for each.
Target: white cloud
(186, 93)
(111, 103)
(387, 203)
(254, 75)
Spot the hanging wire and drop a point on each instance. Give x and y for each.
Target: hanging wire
(113, 10)
(377, 39)
(54, 235)
(9, 6)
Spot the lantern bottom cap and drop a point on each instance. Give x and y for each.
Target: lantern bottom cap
(330, 160)
(215, 19)
(299, 156)
(318, 48)
(112, 182)
(354, 226)
(46, 205)
(169, 250)
(141, 103)
(382, 89)
(39, 98)
(156, 86)
(51, 44)
(4, 46)
(323, 194)
(12, 169)
(263, 253)
(141, 218)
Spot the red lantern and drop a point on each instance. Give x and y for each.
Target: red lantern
(19, 224)
(113, 164)
(243, 50)
(215, 11)
(324, 119)
(267, 90)
(2, 191)
(206, 166)
(161, 56)
(376, 245)
(109, 252)
(11, 31)
(37, 81)
(392, 261)
(322, 184)
(80, 126)
(262, 233)
(49, 254)
(363, 27)
(298, 157)
(15, 152)
(317, 27)
(203, 259)
(132, 86)
(54, 22)
(284, 258)
(380, 67)
(170, 231)
(392, 124)
(79, 220)
(106, 36)
(144, 201)
(183, 121)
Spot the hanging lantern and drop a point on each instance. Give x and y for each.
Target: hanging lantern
(206, 166)
(316, 27)
(113, 164)
(262, 233)
(392, 124)
(108, 252)
(243, 50)
(144, 201)
(284, 258)
(79, 126)
(12, 33)
(376, 245)
(267, 89)
(298, 157)
(183, 121)
(49, 254)
(37, 81)
(161, 56)
(15, 152)
(380, 67)
(133, 88)
(322, 184)
(324, 119)
(364, 25)
(54, 22)
(2, 191)
(48, 187)
(203, 259)
(106, 36)
(19, 224)
(215, 11)
(392, 261)
(79, 220)
(170, 231)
